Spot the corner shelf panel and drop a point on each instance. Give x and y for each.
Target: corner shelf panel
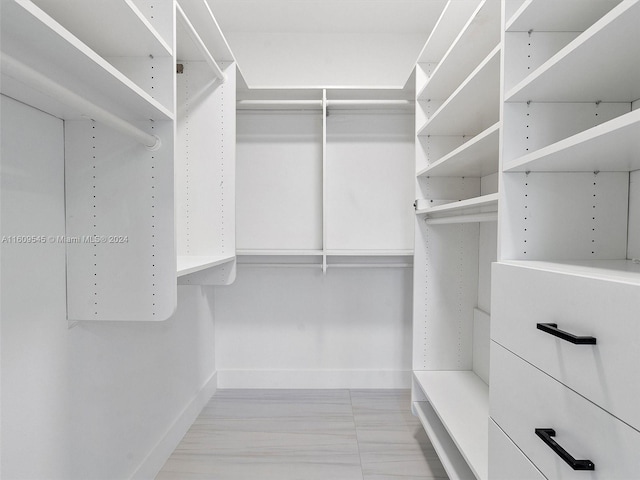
(476, 158)
(555, 16)
(478, 37)
(612, 146)
(592, 67)
(474, 105)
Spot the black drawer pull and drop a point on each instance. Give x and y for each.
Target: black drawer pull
(552, 329)
(546, 433)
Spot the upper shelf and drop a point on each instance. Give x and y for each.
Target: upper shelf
(42, 44)
(476, 158)
(612, 146)
(190, 264)
(205, 24)
(623, 271)
(112, 29)
(478, 37)
(558, 16)
(599, 65)
(474, 105)
(455, 14)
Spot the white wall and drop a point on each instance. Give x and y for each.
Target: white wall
(100, 400)
(295, 328)
(34, 421)
(329, 60)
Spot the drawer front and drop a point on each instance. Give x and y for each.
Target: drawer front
(607, 373)
(506, 461)
(524, 399)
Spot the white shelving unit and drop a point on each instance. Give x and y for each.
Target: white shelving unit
(205, 154)
(569, 203)
(117, 100)
(458, 128)
(350, 152)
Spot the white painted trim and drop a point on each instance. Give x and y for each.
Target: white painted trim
(155, 460)
(314, 379)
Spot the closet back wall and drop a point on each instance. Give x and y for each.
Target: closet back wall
(297, 328)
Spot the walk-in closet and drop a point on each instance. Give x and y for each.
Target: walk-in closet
(319, 239)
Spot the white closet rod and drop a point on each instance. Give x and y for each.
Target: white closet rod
(17, 70)
(317, 104)
(476, 217)
(200, 44)
(329, 265)
(370, 103)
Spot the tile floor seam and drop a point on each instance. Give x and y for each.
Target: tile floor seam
(355, 431)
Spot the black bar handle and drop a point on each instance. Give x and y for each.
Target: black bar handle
(546, 433)
(552, 329)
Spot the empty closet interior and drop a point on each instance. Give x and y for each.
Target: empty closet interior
(181, 214)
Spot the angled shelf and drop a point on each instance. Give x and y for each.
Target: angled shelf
(477, 38)
(452, 460)
(190, 46)
(479, 209)
(190, 264)
(66, 61)
(129, 33)
(612, 146)
(460, 399)
(592, 67)
(203, 21)
(452, 19)
(473, 106)
(554, 16)
(476, 158)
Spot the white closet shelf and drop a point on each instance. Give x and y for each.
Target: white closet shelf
(473, 106)
(554, 16)
(190, 46)
(623, 271)
(612, 146)
(592, 67)
(460, 399)
(205, 24)
(68, 62)
(478, 37)
(113, 29)
(455, 14)
(478, 209)
(476, 158)
(187, 264)
(452, 461)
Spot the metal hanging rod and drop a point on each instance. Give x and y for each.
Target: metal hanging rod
(15, 69)
(217, 71)
(370, 103)
(476, 217)
(317, 104)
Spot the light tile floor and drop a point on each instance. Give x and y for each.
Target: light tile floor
(305, 435)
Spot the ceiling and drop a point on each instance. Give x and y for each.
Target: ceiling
(326, 43)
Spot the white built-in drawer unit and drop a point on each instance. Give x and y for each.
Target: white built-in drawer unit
(506, 460)
(524, 399)
(583, 305)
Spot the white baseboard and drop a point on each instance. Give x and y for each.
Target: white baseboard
(154, 461)
(314, 379)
